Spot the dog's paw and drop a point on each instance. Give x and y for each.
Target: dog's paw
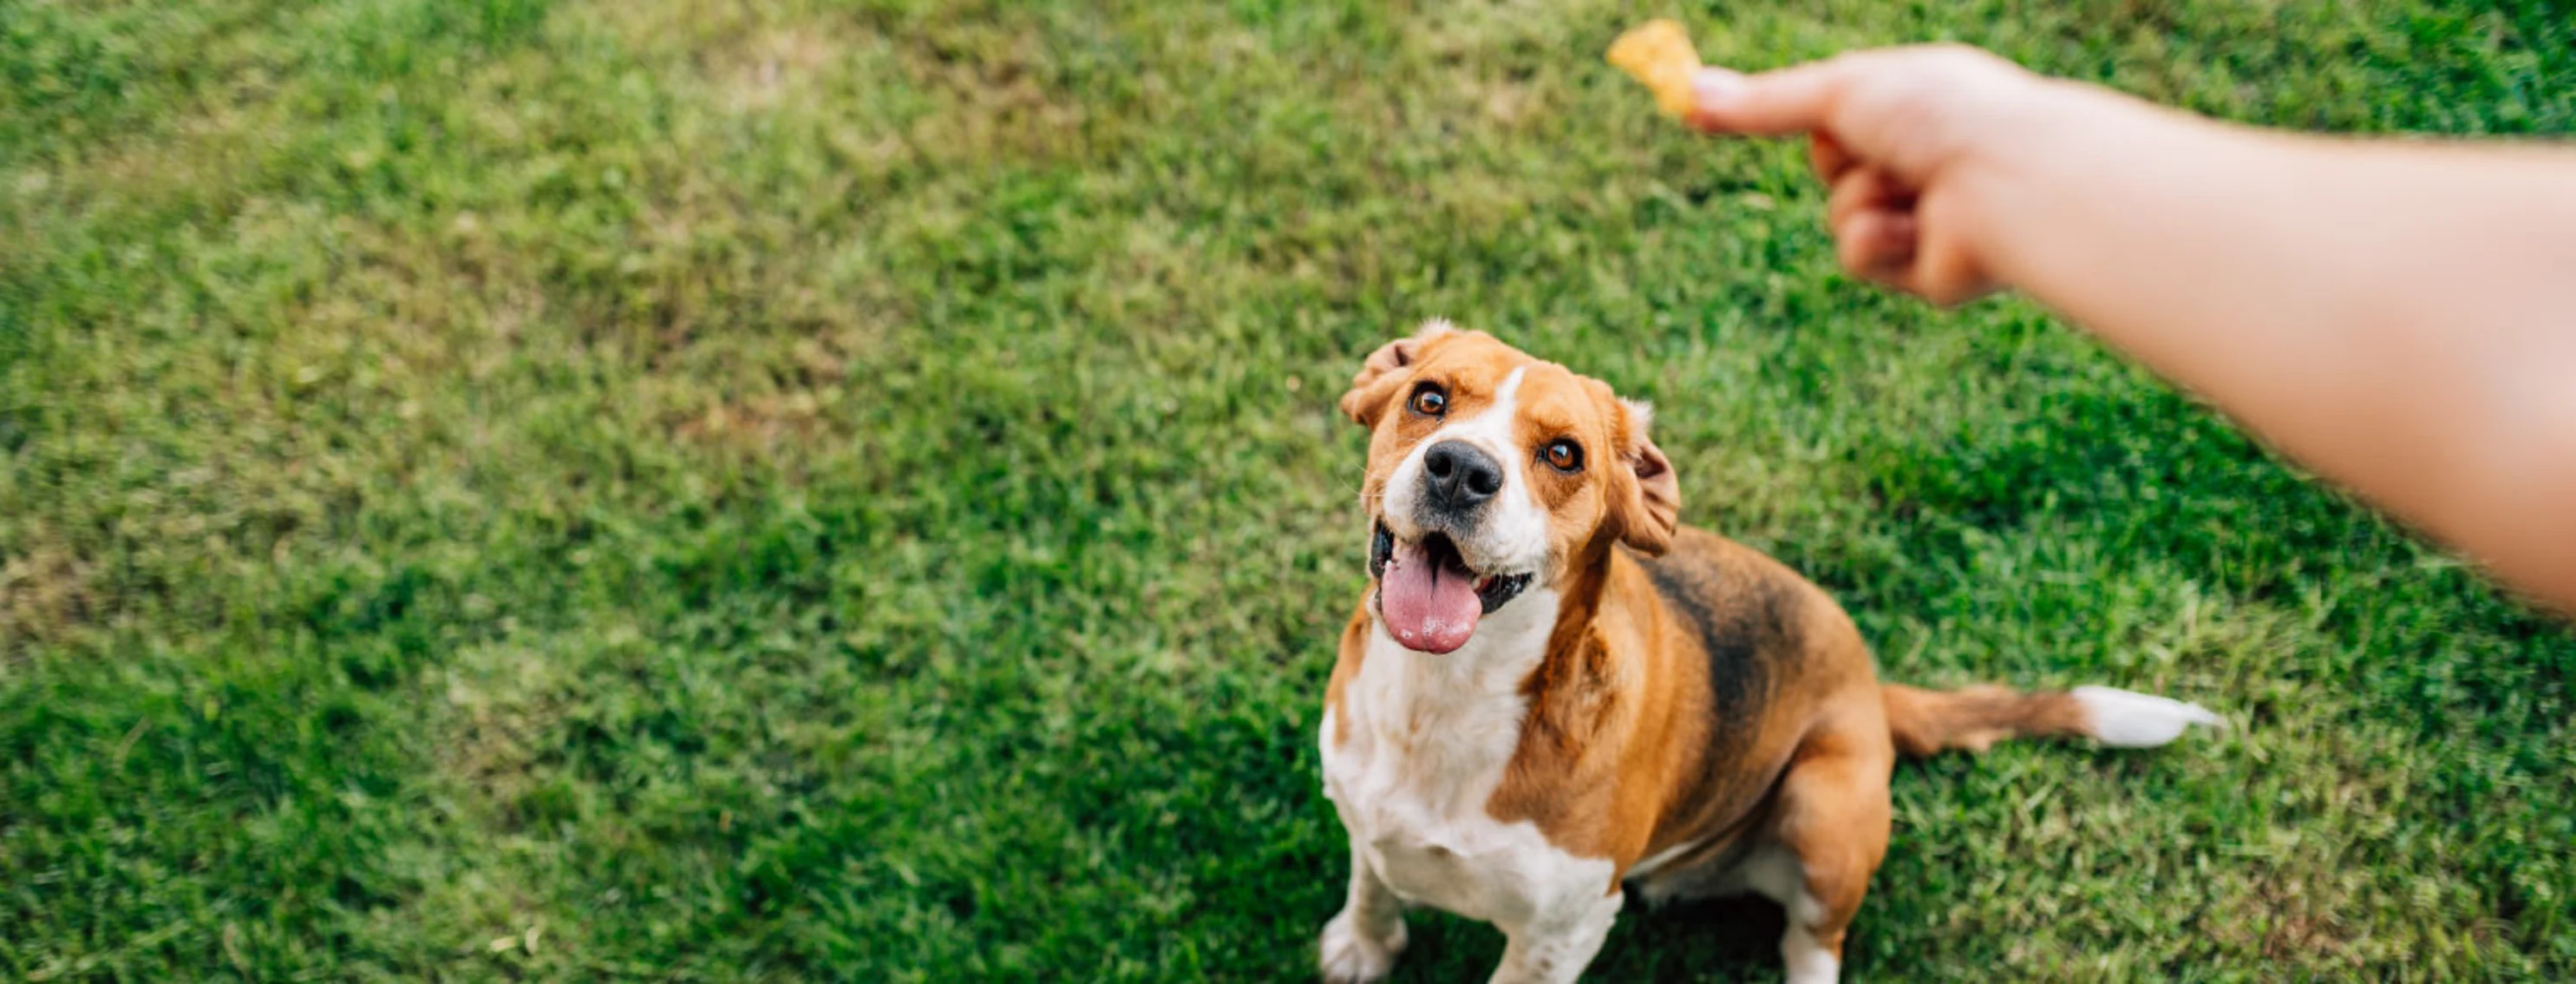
(1352, 956)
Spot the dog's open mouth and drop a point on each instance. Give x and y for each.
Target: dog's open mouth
(1428, 596)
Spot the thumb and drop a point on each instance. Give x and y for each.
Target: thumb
(1788, 101)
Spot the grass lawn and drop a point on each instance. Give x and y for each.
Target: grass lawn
(781, 490)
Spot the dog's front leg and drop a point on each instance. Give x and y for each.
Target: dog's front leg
(1360, 944)
(1557, 946)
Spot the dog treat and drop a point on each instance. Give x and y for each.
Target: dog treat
(1658, 54)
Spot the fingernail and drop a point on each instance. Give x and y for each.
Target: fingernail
(1713, 86)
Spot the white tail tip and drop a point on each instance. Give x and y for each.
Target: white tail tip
(2127, 719)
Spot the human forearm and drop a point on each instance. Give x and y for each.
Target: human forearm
(2400, 318)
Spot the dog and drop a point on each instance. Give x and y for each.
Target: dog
(1553, 689)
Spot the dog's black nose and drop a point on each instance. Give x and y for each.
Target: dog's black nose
(1460, 476)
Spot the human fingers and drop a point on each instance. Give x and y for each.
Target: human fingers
(1787, 101)
(1865, 188)
(1944, 273)
(1878, 244)
(1828, 156)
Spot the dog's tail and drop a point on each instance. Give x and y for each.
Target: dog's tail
(1928, 721)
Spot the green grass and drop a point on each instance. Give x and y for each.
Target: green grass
(783, 490)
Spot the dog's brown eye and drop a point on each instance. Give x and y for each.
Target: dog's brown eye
(1429, 401)
(1562, 455)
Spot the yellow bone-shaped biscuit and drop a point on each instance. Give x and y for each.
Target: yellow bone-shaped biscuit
(1658, 54)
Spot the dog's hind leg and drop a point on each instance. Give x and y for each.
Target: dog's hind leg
(1827, 839)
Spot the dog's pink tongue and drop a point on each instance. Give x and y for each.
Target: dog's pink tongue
(1427, 606)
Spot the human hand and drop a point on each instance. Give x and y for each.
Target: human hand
(1915, 143)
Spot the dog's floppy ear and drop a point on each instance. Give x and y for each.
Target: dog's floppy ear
(1385, 372)
(1650, 503)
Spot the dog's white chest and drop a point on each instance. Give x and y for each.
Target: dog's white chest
(1427, 742)
(1506, 874)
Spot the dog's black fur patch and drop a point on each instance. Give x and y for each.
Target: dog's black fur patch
(1747, 625)
(1743, 625)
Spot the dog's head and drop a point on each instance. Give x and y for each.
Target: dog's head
(1489, 470)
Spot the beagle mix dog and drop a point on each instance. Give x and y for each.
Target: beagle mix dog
(1552, 689)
